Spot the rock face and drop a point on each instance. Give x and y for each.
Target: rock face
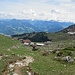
(68, 59)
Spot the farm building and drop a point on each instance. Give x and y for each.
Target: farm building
(40, 44)
(26, 42)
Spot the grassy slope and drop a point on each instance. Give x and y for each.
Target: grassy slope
(15, 47)
(60, 36)
(44, 65)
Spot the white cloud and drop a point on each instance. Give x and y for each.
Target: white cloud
(31, 14)
(67, 1)
(38, 9)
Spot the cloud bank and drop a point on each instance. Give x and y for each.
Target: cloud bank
(62, 10)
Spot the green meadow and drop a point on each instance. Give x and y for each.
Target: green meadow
(44, 65)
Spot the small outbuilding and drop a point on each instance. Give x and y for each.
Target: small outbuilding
(40, 44)
(26, 42)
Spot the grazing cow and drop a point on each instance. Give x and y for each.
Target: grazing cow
(45, 53)
(34, 48)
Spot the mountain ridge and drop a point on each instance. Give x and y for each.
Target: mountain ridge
(14, 26)
(69, 29)
(43, 36)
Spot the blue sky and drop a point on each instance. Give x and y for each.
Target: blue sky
(63, 10)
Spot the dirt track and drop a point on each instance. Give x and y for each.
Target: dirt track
(16, 68)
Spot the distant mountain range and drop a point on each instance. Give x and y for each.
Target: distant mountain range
(13, 26)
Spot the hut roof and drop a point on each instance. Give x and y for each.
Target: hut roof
(27, 41)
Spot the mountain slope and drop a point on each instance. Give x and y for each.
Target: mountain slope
(42, 36)
(69, 29)
(13, 50)
(35, 37)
